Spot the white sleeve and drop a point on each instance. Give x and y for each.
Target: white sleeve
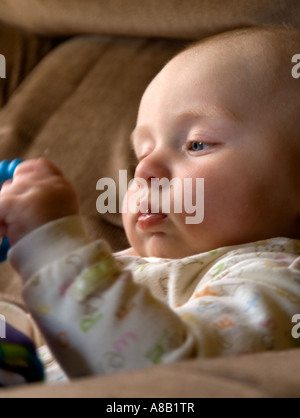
(96, 319)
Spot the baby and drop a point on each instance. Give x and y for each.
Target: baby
(226, 111)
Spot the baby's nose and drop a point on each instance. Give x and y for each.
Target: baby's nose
(153, 166)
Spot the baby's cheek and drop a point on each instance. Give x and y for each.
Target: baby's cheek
(127, 216)
(125, 210)
(124, 205)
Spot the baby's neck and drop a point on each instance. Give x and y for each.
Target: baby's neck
(129, 252)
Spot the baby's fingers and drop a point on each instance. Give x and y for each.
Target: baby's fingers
(40, 166)
(6, 184)
(8, 205)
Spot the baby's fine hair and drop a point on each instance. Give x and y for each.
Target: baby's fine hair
(281, 39)
(273, 49)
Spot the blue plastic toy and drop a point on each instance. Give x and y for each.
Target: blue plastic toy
(7, 169)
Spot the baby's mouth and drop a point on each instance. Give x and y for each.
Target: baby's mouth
(149, 220)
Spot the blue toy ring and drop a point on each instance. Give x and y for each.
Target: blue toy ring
(7, 169)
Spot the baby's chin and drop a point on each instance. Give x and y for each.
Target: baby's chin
(161, 250)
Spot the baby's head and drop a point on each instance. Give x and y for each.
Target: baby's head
(225, 110)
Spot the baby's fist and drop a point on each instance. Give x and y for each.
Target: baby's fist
(38, 194)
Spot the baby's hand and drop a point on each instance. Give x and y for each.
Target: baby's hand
(38, 194)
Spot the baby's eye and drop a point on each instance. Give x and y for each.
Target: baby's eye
(196, 146)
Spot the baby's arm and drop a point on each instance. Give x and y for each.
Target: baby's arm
(93, 316)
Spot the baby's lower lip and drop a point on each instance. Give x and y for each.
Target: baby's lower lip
(146, 221)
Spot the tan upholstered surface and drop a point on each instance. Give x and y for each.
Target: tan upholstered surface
(150, 18)
(263, 375)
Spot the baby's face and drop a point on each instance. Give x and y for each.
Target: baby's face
(208, 115)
